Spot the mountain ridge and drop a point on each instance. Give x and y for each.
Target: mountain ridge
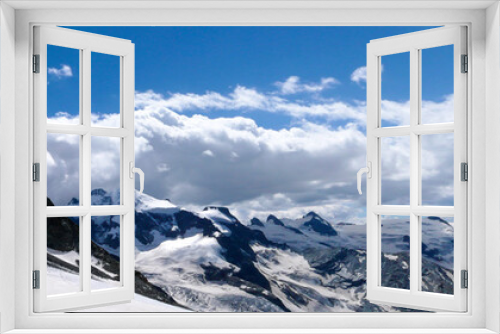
(209, 261)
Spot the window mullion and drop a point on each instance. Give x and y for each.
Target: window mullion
(85, 98)
(414, 170)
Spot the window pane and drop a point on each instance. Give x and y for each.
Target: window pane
(395, 232)
(105, 252)
(63, 85)
(437, 169)
(105, 170)
(63, 169)
(437, 85)
(63, 255)
(395, 89)
(437, 254)
(395, 170)
(105, 90)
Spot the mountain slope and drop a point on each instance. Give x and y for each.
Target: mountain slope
(209, 261)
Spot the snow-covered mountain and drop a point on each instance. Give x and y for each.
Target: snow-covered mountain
(209, 261)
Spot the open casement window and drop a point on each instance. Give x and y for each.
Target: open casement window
(408, 132)
(69, 225)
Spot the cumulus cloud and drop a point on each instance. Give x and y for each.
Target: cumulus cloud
(197, 160)
(292, 85)
(63, 72)
(359, 75)
(397, 113)
(208, 153)
(243, 98)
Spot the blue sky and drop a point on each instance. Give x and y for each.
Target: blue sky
(261, 119)
(201, 59)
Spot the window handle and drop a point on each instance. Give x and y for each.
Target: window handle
(368, 171)
(135, 170)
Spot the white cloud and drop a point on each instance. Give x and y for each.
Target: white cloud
(63, 72)
(208, 153)
(243, 98)
(398, 112)
(162, 168)
(292, 85)
(359, 75)
(254, 170)
(63, 117)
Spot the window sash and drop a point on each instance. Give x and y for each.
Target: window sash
(86, 43)
(414, 297)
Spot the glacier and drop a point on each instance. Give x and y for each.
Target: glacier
(210, 261)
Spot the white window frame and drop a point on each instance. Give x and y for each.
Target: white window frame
(483, 213)
(414, 43)
(86, 44)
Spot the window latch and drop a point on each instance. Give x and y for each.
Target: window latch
(133, 170)
(368, 171)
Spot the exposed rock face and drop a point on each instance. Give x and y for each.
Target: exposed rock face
(210, 261)
(63, 236)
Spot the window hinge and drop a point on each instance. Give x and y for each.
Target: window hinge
(464, 170)
(36, 279)
(36, 63)
(36, 172)
(465, 279)
(465, 64)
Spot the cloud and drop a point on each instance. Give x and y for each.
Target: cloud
(162, 168)
(396, 113)
(359, 75)
(196, 160)
(292, 85)
(240, 98)
(63, 72)
(208, 153)
(249, 99)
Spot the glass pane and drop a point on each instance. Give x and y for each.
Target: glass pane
(395, 89)
(395, 170)
(63, 85)
(105, 170)
(63, 255)
(437, 254)
(437, 85)
(105, 250)
(437, 169)
(395, 232)
(63, 169)
(105, 90)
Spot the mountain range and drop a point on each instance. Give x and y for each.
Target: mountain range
(210, 261)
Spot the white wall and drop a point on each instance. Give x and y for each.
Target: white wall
(493, 160)
(7, 159)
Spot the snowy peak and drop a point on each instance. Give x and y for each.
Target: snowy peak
(319, 225)
(219, 214)
(312, 214)
(100, 196)
(439, 219)
(256, 222)
(273, 220)
(148, 203)
(99, 192)
(209, 261)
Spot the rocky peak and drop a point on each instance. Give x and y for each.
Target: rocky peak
(272, 219)
(256, 222)
(222, 209)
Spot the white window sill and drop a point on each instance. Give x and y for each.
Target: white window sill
(250, 331)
